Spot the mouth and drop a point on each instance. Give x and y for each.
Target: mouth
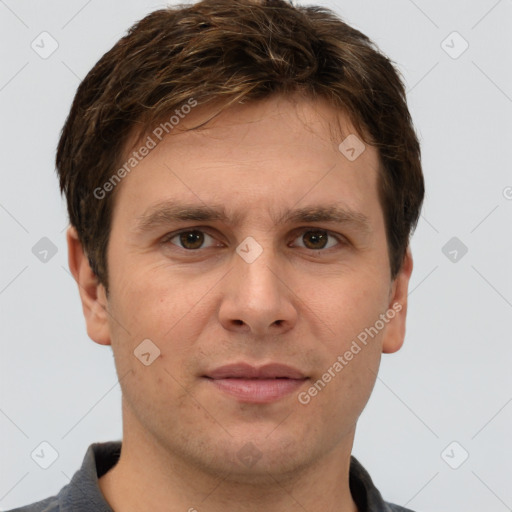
(264, 384)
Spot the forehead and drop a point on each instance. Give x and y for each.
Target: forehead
(270, 155)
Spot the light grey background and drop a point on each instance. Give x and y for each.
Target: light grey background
(450, 382)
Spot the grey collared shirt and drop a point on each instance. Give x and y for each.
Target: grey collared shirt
(83, 493)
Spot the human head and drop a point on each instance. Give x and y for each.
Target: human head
(273, 146)
(230, 51)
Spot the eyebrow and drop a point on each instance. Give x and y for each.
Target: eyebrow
(169, 212)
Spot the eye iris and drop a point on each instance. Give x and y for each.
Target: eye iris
(312, 239)
(315, 236)
(196, 238)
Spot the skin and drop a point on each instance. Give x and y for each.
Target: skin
(300, 303)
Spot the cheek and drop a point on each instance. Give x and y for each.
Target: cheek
(337, 396)
(352, 305)
(351, 350)
(172, 317)
(153, 300)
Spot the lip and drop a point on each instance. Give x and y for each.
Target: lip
(247, 371)
(263, 384)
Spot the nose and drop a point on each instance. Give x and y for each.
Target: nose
(257, 299)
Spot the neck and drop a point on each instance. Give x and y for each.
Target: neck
(148, 477)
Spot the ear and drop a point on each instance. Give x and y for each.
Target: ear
(394, 333)
(92, 293)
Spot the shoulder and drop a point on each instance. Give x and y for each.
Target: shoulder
(83, 491)
(47, 505)
(391, 507)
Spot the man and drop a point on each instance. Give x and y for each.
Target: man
(242, 180)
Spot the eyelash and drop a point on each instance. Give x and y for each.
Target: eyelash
(341, 240)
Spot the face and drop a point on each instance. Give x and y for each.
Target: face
(257, 243)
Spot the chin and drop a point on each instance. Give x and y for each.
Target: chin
(258, 456)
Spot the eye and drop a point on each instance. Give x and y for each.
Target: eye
(315, 239)
(189, 240)
(311, 239)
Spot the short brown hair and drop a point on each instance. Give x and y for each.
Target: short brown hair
(233, 50)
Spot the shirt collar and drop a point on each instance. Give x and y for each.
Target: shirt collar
(83, 492)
